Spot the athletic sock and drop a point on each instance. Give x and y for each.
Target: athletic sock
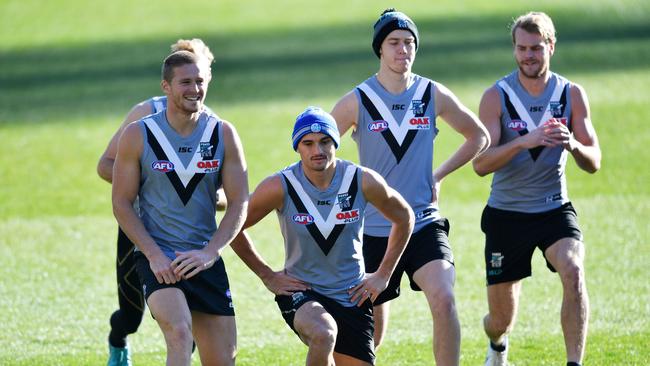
(498, 348)
(573, 364)
(117, 336)
(116, 341)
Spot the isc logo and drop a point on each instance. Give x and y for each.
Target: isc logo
(378, 126)
(517, 125)
(421, 123)
(348, 216)
(302, 218)
(162, 166)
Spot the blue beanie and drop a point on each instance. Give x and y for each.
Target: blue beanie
(313, 120)
(390, 20)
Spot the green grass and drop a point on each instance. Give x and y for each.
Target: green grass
(70, 70)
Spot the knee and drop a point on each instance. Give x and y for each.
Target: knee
(443, 303)
(573, 277)
(499, 324)
(323, 336)
(179, 334)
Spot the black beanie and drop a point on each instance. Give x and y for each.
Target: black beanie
(388, 22)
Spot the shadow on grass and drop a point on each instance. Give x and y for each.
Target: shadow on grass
(45, 84)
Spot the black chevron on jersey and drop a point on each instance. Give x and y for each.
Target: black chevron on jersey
(325, 244)
(184, 193)
(534, 152)
(563, 98)
(397, 149)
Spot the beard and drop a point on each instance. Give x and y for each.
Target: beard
(535, 73)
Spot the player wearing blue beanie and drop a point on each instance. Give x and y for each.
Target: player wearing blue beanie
(315, 120)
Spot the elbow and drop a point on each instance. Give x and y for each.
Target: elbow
(593, 168)
(410, 220)
(104, 171)
(484, 142)
(479, 169)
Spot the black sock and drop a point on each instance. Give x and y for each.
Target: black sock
(498, 348)
(573, 364)
(118, 342)
(117, 336)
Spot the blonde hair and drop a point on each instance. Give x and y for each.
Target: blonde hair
(194, 45)
(535, 22)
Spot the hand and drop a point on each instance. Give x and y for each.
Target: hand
(187, 264)
(161, 267)
(369, 289)
(280, 283)
(557, 133)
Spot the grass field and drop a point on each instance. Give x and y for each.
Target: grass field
(70, 70)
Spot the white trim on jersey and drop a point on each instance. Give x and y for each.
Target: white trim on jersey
(398, 131)
(521, 110)
(185, 174)
(324, 226)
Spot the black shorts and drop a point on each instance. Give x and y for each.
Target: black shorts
(428, 244)
(355, 324)
(511, 238)
(207, 292)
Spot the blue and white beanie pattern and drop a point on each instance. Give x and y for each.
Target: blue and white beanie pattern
(315, 120)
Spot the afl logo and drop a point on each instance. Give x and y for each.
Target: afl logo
(517, 125)
(162, 166)
(378, 126)
(303, 219)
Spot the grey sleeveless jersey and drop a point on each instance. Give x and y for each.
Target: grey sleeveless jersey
(159, 103)
(322, 230)
(534, 180)
(178, 182)
(395, 137)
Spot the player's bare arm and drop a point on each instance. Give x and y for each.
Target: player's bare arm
(583, 143)
(346, 112)
(399, 213)
(497, 156)
(465, 122)
(126, 183)
(268, 196)
(106, 161)
(235, 185)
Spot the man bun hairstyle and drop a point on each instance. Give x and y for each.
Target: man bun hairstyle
(389, 21)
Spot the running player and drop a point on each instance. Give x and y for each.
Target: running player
(535, 118)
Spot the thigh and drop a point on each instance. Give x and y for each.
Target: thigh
(344, 360)
(169, 307)
(561, 238)
(374, 248)
(216, 338)
(209, 291)
(565, 254)
(312, 319)
(436, 278)
(509, 244)
(429, 257)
